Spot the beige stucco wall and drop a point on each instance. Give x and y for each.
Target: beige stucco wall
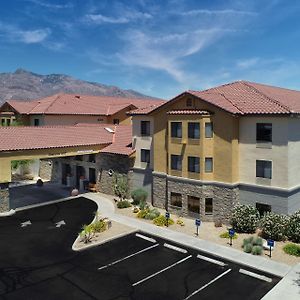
(142, 142)
(70, 119)
(277, 153)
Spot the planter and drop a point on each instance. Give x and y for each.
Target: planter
(74, 192)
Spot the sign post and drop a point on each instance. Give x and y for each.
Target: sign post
(231, 233)
(270, 243)
(167, 217)
(197, 223)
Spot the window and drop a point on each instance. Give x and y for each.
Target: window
(145, 128)
(36, 122)
(116, 121)
(189, 102)
(208, 164)
(176, 199)
(263, 208)
(8, 122)
(194, 164)
(208, 206)
(264, 132)
(194, 204)
(264, 169)
(145, 155)
(176, 129)
(208, 130)
(194, 130)
(92, 158)
(176, 162)
(2, 122)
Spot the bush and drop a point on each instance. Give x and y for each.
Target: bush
(292, 249)
(123, 204)
(248, 240)
(257, 250)
(180, 222)
(138, 196)
(148, 213)
(142, 213)
(248, 248)
(99, 226)
(225, 235)
(120, 186)
(136, 210)
(274, 226)
(293, 228)
(162, 221)
(257, 241)
(87, 233)
(244, 218)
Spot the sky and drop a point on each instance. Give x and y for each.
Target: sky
(157, 47)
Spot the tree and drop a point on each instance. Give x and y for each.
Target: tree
(120, 186)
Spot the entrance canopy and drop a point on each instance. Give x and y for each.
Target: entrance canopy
(22, 143)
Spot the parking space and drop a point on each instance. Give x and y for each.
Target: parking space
(36, 262)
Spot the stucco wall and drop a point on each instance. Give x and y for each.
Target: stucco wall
(142, 178)
(142, 142)
(71, 119)
(250, 151)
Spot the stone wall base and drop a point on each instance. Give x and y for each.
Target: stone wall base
(224, 198)
(4, 197)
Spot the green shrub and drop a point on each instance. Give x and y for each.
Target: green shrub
(142, 213)
(123, 204)
(292, 249)
(162, 221)
(274, 226)
(120, 186)
(257, 250)
(244, 218)
(248, 248)
(87, 233)
(152, 214)
(257, 241)
(293, 228)
(248, 240)
(99, 226)
(138, 196)
(225, 235)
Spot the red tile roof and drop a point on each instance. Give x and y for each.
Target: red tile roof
(188, 112)
(243, 97)
(80, 105)
(147, 109)
(50, 137)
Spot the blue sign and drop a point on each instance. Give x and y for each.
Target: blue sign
(167, 215)
(270, 243)
(197, 222)
(231, 232)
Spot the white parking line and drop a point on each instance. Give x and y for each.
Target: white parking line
(163, 270)
(172, 247)
(129, 256)
(206, 285)
(255, 275)
(145, 237)
(211, 260)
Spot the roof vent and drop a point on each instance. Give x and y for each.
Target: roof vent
(109, 130)
(77, 96)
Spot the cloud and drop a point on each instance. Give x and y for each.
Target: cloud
(51, 5)
(197, 12)
(247, 63)
(127, 17)
(15, 34)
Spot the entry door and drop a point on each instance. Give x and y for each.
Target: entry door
(92, 175)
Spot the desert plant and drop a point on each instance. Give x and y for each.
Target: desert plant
(15, 164)
(248, 240)
(139, 195)
(292, 249)
(142, 213)
(274, 226)
(162, 221)
(218, 223)
(248, 248)
(99, 225)
(225, 235)
(120, 186)
(293, 228)
(244, 218)
(123, 204)
(257, 241)
(152, 214)
(87, 233)
(257, 250)
(180, 222)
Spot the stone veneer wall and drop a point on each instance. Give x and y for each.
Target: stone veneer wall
(120, 164)
(4, 197)
(46, 167)
(224, 197)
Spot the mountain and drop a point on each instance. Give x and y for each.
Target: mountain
(25, 85)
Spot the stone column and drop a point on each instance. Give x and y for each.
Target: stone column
(4, 197)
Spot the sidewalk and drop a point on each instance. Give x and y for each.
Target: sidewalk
(106, 208)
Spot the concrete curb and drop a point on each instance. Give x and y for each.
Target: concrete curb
(7, 213)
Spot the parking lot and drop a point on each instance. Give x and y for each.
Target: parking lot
(36, 262)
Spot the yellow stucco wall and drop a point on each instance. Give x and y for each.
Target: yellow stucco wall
(223, 147)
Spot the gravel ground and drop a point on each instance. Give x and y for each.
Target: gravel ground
(208, 231)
